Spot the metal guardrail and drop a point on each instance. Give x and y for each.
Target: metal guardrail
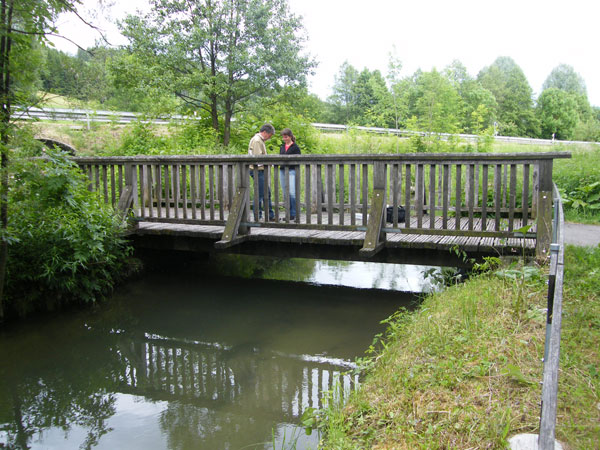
(84, 115)
(127, 117)
(553, 329)
(445, 136)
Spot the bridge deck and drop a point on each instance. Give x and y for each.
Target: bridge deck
(396, 237)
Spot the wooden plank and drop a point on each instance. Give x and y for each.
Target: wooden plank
(105, 182)
(512, 196)
(220, 190)
(319, 194)
(420, 194)
(445, 195)
(202, 192)
(497, 195)
(113, 190)
(211, 190)
(176, 180)
(352, 195)
(330, 192)
(307, 192)
(484, 196)
(525, 195)
(185, 189)
(149, 184)
(194, 190)
(298, 194)
(365, 193)
(342, 194)
(458, 199)
(471, 189)
(407, 187)
(432, 196)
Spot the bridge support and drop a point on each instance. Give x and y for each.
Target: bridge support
(375, 237)
(544, 211)
(235, 233)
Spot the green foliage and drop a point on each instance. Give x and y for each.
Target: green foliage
(216, 57)
(506, 81)
(557, 112)
(577, 179)
(65, 245)
(584, 198)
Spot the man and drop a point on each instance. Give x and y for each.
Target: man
(257, 147)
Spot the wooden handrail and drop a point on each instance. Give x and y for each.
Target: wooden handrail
(458, 194)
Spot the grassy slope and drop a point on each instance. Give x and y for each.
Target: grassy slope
(464, 371)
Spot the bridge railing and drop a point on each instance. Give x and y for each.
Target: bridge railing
(472, 195)
(553, 329)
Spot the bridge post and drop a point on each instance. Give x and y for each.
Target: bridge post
(234, 231)
(544, 210)
(375, 237)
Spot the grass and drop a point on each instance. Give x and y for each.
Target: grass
(464, 370)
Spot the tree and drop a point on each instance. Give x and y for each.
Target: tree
(436, 104)
(23, 28)
(565, 78)
(505, 79)
(215, 55)
(557, 111)
(479, 104)
(343, 97)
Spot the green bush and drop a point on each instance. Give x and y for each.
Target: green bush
(65, 244)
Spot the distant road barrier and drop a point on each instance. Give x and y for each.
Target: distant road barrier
(88, 116)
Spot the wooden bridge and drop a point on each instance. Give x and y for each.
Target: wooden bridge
(479, 203)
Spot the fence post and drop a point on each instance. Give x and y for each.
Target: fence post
(544, 210)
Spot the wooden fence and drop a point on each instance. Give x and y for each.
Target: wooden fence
(485, 195)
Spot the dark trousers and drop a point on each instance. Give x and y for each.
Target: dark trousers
(261, 193)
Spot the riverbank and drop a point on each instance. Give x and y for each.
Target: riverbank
(464, 370)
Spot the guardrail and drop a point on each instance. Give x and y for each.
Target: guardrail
(88, 116)
(553, 329)
(84, 115)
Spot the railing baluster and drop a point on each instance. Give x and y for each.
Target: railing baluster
(308, 169)
(512, 197)
(497, 196)
(220, 191)
(458, 197)
(525, 198)
(471, 191)
(330, 192)
(445, 195)
(407, 196)
(342, 193)
(184, 186)
(319, 194)
(432, 196)
(211, 190)
(484, 196)
(365, 194)
(194, 190)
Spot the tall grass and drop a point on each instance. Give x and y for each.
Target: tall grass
(464, 371)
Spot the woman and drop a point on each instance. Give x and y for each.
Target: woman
(289, 147)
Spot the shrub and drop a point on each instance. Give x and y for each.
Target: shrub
(65, 244)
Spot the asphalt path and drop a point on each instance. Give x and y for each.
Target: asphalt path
(582, 235)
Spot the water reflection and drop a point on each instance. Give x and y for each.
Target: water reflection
(187, 359)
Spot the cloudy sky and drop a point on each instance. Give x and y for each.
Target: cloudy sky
(537, 34)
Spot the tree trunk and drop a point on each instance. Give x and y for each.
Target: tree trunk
(227, 124)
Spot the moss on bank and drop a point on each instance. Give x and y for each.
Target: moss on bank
(464, 370)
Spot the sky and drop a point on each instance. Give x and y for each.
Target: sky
(537, 34)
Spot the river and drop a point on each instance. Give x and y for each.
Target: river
(219, 354)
